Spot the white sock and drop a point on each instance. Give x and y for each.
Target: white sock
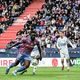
(68, 67)
(34, 69)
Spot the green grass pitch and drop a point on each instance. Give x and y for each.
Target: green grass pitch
(43, 74)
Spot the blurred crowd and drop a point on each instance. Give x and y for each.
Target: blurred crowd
(55, 15)
(10, 10)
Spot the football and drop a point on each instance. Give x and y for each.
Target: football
(34, 62)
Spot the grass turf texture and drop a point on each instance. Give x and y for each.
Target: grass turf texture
(43, 74)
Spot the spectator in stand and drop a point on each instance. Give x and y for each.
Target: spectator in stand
(55, 15)
(54, 38)
(58, 14)
(1, 28)
(9, 10)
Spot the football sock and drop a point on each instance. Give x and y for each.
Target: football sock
(20, 69)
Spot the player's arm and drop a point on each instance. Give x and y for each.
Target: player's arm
(71, 43)
(17, 43)
(58, 46)
(39, 48)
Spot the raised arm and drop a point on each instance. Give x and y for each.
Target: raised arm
(71, 43)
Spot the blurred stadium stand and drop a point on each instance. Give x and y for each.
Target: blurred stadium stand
(17, 25)
(49, 18)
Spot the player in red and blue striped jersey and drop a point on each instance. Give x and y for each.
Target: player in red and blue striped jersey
(25, 47)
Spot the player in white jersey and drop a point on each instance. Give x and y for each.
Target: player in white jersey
(63, 48)
(35, 59)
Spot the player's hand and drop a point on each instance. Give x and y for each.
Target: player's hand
(74, 46)
(59, 50)
(7, 48)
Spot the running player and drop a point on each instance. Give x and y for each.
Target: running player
(63, 49)
(25, 47)
(34, 60)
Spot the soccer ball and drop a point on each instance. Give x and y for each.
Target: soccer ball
(34, 62)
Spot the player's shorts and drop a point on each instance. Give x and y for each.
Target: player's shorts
(24, 56)
(64, 56)
(35, 54)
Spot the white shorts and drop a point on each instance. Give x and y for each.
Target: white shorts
(35, 54)
(64, 56)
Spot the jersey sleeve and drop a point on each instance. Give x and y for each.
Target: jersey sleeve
(58, 44)
(68, 41)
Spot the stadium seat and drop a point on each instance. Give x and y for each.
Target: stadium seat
(10, 33)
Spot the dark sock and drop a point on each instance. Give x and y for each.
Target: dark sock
(62, 63)
(21, 69)
(12, 65)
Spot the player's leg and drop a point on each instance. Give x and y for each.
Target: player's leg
(12, 65)
(62, 60)
(27, 59)
(68, 64)
(35, 66)
(22, 68)
(67, 61)
(22, 64)
(18, 59)
(35, 60)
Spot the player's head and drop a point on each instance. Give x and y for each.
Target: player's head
(62, 33)
(32, 36)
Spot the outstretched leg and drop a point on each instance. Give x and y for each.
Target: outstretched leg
(12, 65)
(22, 68)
